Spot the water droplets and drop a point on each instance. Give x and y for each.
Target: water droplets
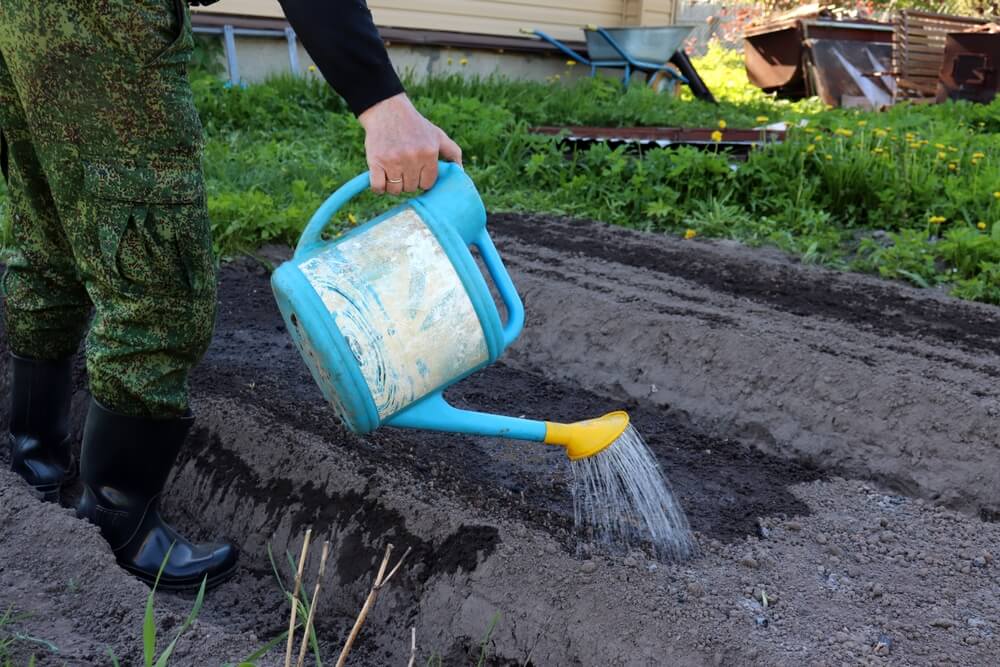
(622, 498)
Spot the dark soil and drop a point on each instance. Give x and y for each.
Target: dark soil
(755, 382)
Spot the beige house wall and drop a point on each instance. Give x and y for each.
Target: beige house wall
(561, 18)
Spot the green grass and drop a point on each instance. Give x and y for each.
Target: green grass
(851, 190)
(10, 637)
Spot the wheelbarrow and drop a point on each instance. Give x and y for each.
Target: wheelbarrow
(642, 49)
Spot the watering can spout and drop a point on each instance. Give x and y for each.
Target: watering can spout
(580, 439)
(586, 438)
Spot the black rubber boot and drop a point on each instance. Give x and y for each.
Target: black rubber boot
(40, 450)
(124, 464)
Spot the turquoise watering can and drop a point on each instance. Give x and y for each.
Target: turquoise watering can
(393, 312)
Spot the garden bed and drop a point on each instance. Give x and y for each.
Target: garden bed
(829, 435)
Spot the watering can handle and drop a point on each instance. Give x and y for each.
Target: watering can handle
(508, 293)
(312, 234)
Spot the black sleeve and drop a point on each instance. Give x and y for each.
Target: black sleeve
(342, 40)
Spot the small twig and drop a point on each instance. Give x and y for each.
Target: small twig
(380, 581)
(413, 647)
(315, 601)
(295, 598)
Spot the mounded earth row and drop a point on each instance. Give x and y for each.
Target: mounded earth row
(754, 380)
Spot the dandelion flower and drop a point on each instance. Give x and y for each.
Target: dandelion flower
(761, 119)
(716, 136)
(819, 137)
(997, 194)
(978, 156)
(879, 132)
(981, 226)
(722, 124)
(463, 61)
(952, 166)
(942, 155)
(915, 145)
(940, 147)
(690, 234)
(829, 158)
(351, 219)
(311, 68)
(937, 219)
(975, 161)
(570, 63)
(862, 123)
(878, 150)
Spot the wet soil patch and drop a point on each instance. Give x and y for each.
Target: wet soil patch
(723, 484)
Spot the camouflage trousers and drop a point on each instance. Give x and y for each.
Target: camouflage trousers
(102, 156)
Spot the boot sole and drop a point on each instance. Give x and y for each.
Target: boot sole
(184, 587)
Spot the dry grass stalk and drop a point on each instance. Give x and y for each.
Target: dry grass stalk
(413, 647)
(315, 601)
(295, 598)
(381, 579)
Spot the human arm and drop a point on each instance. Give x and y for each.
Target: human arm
(401, 146)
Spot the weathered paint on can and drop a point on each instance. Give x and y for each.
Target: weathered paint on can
(402, 309)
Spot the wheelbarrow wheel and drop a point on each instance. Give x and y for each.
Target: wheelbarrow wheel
(662, 82)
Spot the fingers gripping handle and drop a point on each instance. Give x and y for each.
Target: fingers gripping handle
(509, 295)
(312, 235)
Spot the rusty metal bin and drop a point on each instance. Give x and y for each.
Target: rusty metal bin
(969, 70)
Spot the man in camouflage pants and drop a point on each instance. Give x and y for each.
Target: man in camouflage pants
(102, 155)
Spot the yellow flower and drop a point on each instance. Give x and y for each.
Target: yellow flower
(924, 142)
(463, 61)
(879, 132)
(829, 158)
(910, 136)
(952, 166)
(716, 136)
(878, 150)
(570, 63)
(690, 234)
(761, 119)
(997, 194)
(819, 137)
(352, 219)
(844, 132)
(312, 68)
(937, 219)
(722, 124)
(915, 145)
(862, 123)
(952, 149)
(809, 130)
(978, 156)
(981, 226)
(975, 161)
(942, 155)
(810, 148)
(940, 147)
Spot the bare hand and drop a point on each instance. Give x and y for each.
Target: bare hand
(403, 147)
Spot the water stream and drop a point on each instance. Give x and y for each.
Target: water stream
(622, 498)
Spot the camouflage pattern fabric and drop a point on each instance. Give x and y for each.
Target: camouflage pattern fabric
(107, 199)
